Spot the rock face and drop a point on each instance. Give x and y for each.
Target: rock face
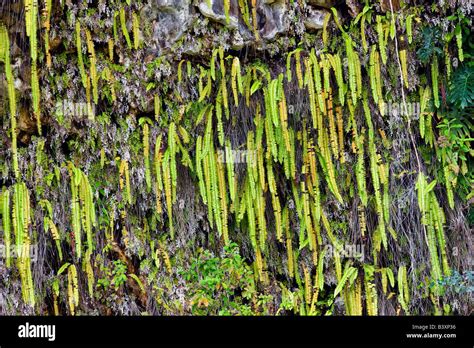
(214, 9)
(240, 25)
(315, 18)
(273, 15)
(270, 17)
(323, 3)
(170, 19)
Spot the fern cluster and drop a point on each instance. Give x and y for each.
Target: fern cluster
(21, 223)
(5, 58)
(433, 218)
(82, 209)
(31, 14)
(302, 166)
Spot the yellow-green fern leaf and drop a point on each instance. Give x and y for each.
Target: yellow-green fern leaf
(381, 40)
(123, 24)
(6, 224)
(136, 30)
(434, 81)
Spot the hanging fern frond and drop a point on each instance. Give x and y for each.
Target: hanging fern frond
(325, 64)
(146, 151)
(87, 267)
(317, 81)
(46, 16)
(75, 213)
(458, 34)
(80, 59)
(376, 79)
(5, 57)
(244, 10)
(21, 221)
(6, 224)
(250, 216)
(434, 81)
(222, 189)
(289, 245)
(340, 133)
(73, 289)
(236, 78)
(336, 64)
(167, 183)
(351, 64)
(56, 237)
(229, 158)
(403, 289)
(48, 224)
(199, 170)
(308, 225)
(381, 40)
(136, 30)
(360, 170)
(327, 18)
(157, 162)
(227, 11)
(311, 92)
(403, 60)
(432, 217)
(299, 71)
(408, 26)
(220, 124)
(123, 25)
(328, 168)
(83, 208)
(93, 67)
(332, 128)
(173, 149)
(124, 181)
(349, 275)
(31, 18)
(374, 169)
(372, 73)
(110, 45)
(180, 70)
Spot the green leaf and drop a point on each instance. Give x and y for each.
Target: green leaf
(430, 186)
(461, 88)
(350, 273)
(63, 268)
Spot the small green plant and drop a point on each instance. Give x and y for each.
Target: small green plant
(429, 44)
(222, 285)
(456, 283)
(119, 273)
(114, 277)
(456, 153)
(461, 88)
(103, 283)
